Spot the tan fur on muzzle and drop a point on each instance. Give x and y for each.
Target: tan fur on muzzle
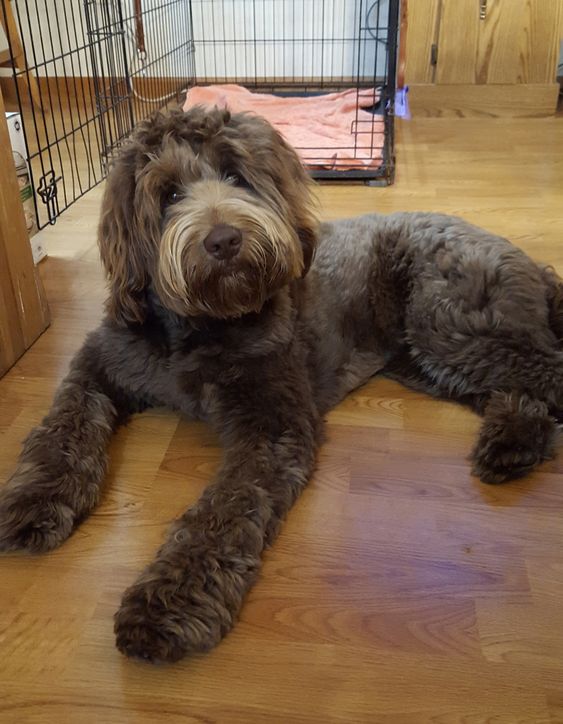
(195, 283)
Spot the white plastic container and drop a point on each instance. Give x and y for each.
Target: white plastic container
(19, 151)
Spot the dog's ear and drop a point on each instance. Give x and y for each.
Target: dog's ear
(308, 239)
(269, 151)
(296, 187)
(298, 190)
(120, 246)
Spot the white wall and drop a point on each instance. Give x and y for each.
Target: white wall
(46, 35)
(287, 39)
(282, 39)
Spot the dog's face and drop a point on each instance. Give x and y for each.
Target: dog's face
(213, 212)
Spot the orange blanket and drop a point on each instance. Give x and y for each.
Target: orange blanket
(328, 131)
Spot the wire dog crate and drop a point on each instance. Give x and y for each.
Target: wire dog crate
(86, 71)
(304, 48)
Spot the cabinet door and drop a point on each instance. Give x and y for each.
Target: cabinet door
(458, 38)
(518, 41)
(540, 45)
(492, 57)
(497, 41)
(422, 20)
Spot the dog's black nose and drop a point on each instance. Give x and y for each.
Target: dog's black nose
(223, 242)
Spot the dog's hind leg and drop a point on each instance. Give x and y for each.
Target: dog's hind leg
(518, 433)
(402, 368)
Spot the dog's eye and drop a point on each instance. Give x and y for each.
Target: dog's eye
(170, 197)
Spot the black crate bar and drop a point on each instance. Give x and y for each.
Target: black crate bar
(95, 84)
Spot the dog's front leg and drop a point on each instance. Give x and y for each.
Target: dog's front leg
(190, 596)
(63, 462)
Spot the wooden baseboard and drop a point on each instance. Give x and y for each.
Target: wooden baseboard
(487, 101)
(81, 90)
(425, 100)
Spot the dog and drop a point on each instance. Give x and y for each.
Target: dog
(229, 302)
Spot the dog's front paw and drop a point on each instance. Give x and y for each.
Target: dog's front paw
(33, 522)
(153, 626)
(175, 610)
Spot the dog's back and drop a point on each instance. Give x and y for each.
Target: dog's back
(554, 287)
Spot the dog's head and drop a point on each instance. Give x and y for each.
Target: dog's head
(213, 212)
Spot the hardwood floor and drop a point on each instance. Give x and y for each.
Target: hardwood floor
(400, 589)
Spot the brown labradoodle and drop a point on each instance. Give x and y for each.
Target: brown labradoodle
(220, 308)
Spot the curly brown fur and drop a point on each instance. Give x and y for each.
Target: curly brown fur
(183, 175)
(63, 462)
(187, 599)
(517, 434)
(217, 309)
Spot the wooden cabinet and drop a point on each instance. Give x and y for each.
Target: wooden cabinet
(23, 308)
(489, 57)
